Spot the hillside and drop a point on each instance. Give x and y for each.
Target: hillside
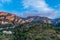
(8, 18)
(30, 28)
(36, 31)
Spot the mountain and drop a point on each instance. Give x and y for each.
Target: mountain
(30, 28)
(39, 19)
(56, 22)
(8, 18)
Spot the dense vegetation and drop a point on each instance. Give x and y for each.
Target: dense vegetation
(33, 31)
(36, 31)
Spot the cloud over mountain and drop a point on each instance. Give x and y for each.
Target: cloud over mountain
(39, 8)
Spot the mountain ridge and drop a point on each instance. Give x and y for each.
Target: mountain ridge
(6, 18)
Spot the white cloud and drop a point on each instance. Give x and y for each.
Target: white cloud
(39, 5)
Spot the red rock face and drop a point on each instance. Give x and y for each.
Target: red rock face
(5, 18)
(3, 13)
(11, 17)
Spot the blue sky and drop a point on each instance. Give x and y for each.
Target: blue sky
(24, 8)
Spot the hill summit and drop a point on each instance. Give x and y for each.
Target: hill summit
(7, 18)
